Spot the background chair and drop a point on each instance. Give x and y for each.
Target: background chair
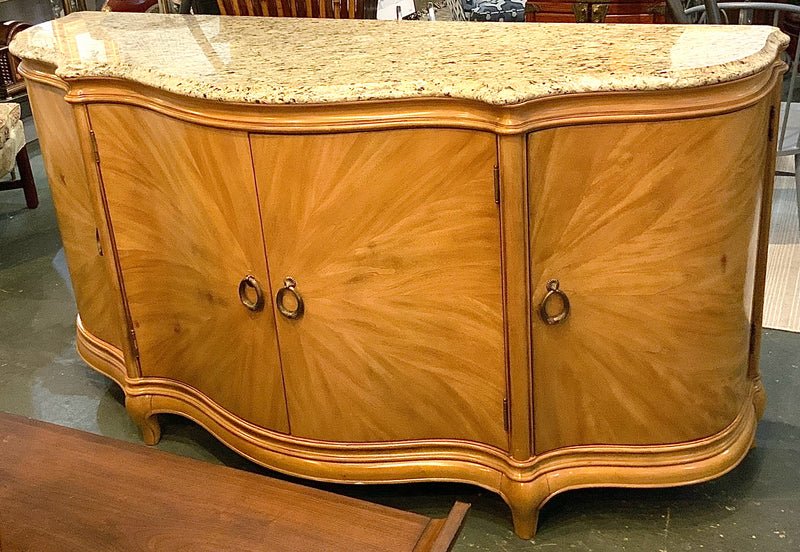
(11, 83)
(337, 9)
(13, 152)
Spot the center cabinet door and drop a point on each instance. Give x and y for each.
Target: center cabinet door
(183, 208)
(393, 240)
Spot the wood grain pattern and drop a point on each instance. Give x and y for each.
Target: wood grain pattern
(79, 222)
(337, 9)
(525, 486)
(512, 155)
(760, 244)
(66, 490)
(393, 239)
(187, 232)
(648, 228)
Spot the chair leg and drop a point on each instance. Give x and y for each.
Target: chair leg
(26, 176)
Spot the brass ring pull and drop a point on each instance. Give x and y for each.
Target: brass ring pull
(552, 291)
(250, 282)
(288, 287)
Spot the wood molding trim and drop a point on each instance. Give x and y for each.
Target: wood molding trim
(520, 483)
(103, 357)
(567, 109)
(513, 169)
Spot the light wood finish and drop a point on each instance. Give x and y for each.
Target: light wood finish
(332, 146)
(187, 232)
(82, 227)
(67, 490)
(637, 244)
(516, 287)
(393, 239)
(760, 245)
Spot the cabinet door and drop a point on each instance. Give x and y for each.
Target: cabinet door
(651, 230)
(98, 301)
(393, 240)
(184, 214)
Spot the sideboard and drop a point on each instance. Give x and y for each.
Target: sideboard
(530, 258)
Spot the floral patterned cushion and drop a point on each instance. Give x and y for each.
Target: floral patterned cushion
(11, 147)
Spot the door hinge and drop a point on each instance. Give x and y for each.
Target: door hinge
(506, 416)
(771, 126)
(134, 345)
(93, 139)
(497, 184)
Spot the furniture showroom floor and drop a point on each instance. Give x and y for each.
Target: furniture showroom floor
(754, 507)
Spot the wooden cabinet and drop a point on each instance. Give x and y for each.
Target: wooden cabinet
(422, 236)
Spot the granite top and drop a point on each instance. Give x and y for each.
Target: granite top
(285, 60)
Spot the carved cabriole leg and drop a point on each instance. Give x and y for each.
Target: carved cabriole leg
(524, 499)
(140, 410)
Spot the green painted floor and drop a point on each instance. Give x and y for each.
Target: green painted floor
(755, 507)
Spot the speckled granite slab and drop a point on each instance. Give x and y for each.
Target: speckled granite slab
(283, 60)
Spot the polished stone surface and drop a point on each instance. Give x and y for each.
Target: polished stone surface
(286, 60)
(755, 507)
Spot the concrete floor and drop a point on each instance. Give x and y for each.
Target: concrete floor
(755, 507)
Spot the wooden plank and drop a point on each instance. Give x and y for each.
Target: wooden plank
(441, 533)
(62, 489)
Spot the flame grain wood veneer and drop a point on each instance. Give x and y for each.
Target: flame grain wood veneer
(420, 236)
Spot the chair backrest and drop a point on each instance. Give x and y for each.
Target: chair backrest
(745, 11)
(11, 82)
(337, 9)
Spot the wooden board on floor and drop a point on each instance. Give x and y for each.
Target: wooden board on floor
(66, 490)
